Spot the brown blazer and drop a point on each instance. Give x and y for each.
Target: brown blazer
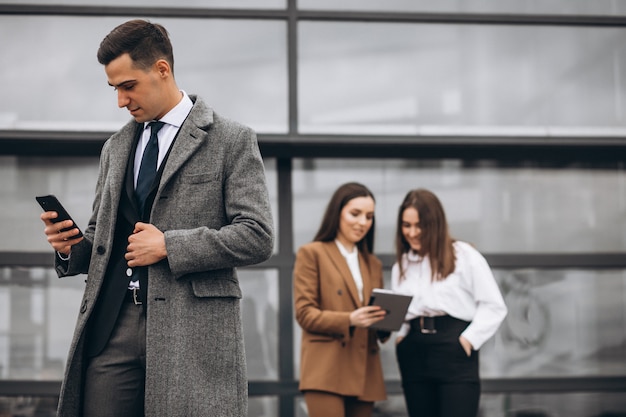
(335, 357)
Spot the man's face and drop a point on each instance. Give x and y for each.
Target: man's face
(140, 91)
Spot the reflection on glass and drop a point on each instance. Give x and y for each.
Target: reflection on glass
(263, 407)
(387, 78)
(561, 323)
(37, 316)
(500, 209)
(55, 82)
(260, 322)
(73, 181)
(24, 406)
(581, 7)
(580, 404)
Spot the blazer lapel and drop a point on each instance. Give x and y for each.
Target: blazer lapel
(342, 267)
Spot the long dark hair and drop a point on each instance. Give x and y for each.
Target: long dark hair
(435, 239)
(330, 222)
(145, 42)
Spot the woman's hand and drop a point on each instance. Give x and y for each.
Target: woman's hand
(467, 346)
(366, 316)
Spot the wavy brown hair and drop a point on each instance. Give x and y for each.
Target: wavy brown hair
(435, 239)
(330, 222)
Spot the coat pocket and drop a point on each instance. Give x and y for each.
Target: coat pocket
(200, 178)
(215, 284)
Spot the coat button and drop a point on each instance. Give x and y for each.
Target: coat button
(100, 249)
(83, 308)
(129, 272)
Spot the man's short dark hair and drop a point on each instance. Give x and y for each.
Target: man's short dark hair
(145, 42)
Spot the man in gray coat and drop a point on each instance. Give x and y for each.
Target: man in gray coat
(180, 202)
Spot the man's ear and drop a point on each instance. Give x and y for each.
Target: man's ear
(163, 68)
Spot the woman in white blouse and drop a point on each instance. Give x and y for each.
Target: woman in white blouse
(456, 308)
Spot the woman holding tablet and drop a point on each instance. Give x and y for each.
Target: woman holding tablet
(456, 308)
(340, 368)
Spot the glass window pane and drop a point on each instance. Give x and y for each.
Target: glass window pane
(263, 406)
(499, 208)
(55, 81)
(73, 181)
(24, 406)
(415, 79)
(560, 323)
(579, 404)
(37, 316)
(225, 4)
(582, 7)
(260, 322)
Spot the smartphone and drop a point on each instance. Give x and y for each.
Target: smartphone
(51, 203)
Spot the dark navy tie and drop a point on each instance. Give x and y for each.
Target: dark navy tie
(148, 168)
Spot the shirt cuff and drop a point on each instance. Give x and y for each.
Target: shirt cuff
(63, 257)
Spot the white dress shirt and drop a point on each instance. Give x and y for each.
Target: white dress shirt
(173, 121)
(470, 293)
(352, 258)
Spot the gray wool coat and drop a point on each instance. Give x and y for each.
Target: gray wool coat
(213, 206)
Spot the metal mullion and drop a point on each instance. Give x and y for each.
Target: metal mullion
(285, 305)
(320, 15)
(544, 260)
(148, 11)
(465, 18)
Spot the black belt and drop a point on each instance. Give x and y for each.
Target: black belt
(133, 296)
(426, 324)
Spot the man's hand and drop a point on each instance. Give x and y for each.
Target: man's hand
(146, 246)
(61, 241)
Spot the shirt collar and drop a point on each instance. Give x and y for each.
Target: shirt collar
(178, 114)
(345, 252)
(412, 256)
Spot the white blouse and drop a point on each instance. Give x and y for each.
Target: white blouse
(470, 293)
(352, 258)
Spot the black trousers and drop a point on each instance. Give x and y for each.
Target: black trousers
(438, 378)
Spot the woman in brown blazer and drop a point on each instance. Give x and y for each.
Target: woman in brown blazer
(340, 368)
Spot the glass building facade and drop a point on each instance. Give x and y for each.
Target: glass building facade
(512, 112)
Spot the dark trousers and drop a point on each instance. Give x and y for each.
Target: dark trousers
(115, 379)
(438, 378)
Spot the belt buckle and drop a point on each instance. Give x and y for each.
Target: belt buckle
(427, 325)
(136, 299)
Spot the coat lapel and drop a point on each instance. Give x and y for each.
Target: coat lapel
(344, 271)
(190, 137)
(123, 146)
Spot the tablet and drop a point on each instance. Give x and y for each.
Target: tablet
(396, 306)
